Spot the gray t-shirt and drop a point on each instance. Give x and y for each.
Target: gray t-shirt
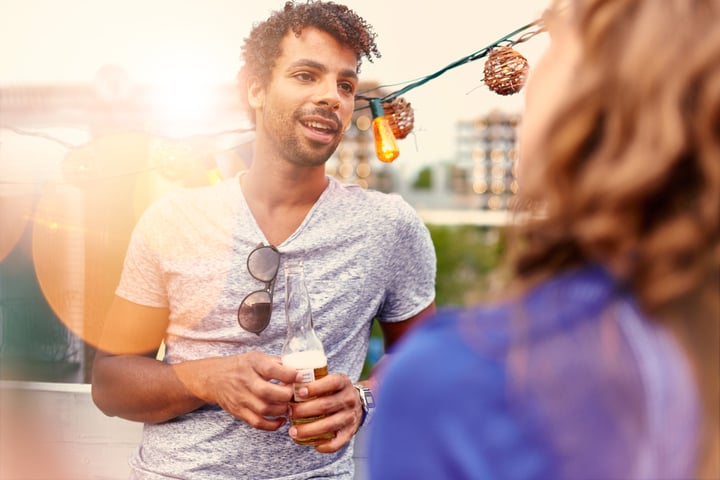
(366, 255)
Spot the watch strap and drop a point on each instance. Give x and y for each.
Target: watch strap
(368, 403)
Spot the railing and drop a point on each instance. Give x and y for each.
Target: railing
(54, 431)
(490, 218)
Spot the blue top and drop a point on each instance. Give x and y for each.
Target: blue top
(569, 381)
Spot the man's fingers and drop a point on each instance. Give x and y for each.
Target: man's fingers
(270, 367)
(258, 421)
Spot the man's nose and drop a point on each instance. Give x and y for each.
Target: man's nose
(328, 94)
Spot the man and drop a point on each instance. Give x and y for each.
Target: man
(217, 405)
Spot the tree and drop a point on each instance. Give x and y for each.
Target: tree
(424, 179)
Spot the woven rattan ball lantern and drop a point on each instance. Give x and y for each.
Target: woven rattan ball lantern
(505, 71)
(400, 116)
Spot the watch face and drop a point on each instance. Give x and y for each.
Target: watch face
(369, 399)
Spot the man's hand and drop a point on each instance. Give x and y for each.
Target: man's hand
(335, 397)
(242, 386)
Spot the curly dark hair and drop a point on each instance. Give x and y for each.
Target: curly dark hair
(262, 46)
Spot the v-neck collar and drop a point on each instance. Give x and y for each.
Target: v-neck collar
(245, 209)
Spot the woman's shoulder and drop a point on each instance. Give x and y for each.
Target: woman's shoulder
(446, 344)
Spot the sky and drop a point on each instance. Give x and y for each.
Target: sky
(166, 42)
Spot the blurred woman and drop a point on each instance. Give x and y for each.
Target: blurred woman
(602, 362)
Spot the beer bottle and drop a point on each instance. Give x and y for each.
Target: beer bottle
(302, 350)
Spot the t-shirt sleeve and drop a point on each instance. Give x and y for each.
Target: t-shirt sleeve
(142, 279)
(411, 267)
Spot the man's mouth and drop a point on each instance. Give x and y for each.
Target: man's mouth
(323, 127)
(321, 130)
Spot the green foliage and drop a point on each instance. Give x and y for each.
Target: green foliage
(375, 350)
(466, 256)
(424, 179)
(34, 344)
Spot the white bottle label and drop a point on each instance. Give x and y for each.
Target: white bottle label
(312, 365)
(308, 375)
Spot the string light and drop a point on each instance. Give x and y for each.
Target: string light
(386, 147)
(505, 71)
(214, 175)
(171, 157)
(400, 116)
(505, 74)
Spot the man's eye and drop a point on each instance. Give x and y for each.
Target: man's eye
(305, 77)
(347, 87)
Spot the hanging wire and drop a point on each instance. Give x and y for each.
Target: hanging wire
(44, 136)
(505, 40)
(202, 156)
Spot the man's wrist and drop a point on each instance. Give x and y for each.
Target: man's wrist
(367, 401)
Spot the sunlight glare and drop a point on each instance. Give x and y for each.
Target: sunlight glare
(182, 92)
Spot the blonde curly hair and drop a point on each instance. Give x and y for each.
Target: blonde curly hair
(627, 170)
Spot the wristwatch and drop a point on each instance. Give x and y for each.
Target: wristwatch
(368, 403)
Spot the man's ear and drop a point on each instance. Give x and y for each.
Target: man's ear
(255, 93)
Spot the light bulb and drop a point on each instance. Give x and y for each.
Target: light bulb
(386, 147)
(214, 175)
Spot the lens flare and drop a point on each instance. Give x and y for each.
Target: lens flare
(82, 225)
(15, 210)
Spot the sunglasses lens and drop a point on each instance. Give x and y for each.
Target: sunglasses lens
(254, 312)
(263, 263)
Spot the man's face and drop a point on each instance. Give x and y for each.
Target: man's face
(304, 110)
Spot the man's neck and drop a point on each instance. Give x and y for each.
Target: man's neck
(290, 186)
(280, 199)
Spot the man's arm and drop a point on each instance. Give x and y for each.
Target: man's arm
(392, 331)
(129, 382)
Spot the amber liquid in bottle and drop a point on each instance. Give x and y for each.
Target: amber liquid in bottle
(302, 349)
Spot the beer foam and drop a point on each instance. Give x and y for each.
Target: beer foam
(303, 360)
